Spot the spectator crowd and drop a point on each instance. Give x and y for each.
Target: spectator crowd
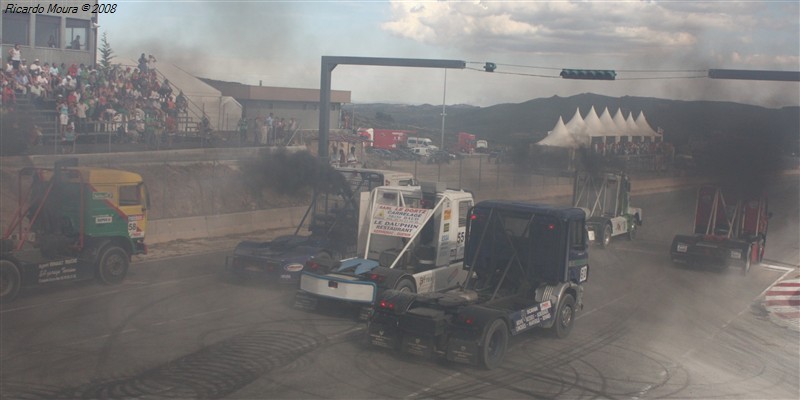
(131, 103)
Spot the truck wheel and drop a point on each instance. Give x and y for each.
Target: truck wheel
(10, 281)
(747, 261)
(632, 232)
(113, 265)
(495, 342)
(565, 317)
(405, 285)
(605, 240)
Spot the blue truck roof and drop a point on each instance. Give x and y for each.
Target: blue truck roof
(533, 208)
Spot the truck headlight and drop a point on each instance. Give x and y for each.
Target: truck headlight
(682, 247)
(737, 254)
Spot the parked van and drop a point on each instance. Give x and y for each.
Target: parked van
(414, 142)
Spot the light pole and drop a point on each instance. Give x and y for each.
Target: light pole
(444, 105)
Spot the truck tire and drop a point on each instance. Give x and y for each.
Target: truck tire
(112, 265)
(405, 285)
(565, 317)
(10, 281)
(605, 238)
(747, 261)
(495, 342)
(632, 232)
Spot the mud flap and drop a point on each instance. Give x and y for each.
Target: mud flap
(382, 335)
(305, 301)
(418, 345)
(463, 350)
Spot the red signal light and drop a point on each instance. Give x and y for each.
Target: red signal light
(469, 321)
(473, 217)
(551, 227)
(383, 303)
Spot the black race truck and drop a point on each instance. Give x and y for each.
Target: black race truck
(526, 263)
(332, 228)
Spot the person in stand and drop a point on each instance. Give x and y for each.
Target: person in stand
(205, 129)
(76, 43)
(69, 138)
(242, 131)
(16, 57)
(270, 130)
(342, 158)
(351, 157)
(142, 63)
(181, 104)
(63, 115)
(151, 63)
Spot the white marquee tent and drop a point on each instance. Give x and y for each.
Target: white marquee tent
(580, 131)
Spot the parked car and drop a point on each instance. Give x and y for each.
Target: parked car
(440, 156)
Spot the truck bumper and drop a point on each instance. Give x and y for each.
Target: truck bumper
(723, 253)
(339, 287)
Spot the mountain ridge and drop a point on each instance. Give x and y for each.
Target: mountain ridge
(683, 121)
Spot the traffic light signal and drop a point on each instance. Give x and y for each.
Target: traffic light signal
(594, 74)
(490, 67)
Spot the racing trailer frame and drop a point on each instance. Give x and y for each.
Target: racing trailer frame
(605, 197)
(730, 229)
(526, 263)
(333, 226)
(411, 239)
(72, 223)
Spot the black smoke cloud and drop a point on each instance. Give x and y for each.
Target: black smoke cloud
(291, 174)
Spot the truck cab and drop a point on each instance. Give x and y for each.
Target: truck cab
(410, 239)
(526, 265)
(76, 223)
(332, 229)
(729, 228)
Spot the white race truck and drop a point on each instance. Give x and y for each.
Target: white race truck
(605, 198)
(411, 238)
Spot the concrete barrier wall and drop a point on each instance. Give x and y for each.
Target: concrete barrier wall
(165, 230)
(117, 160)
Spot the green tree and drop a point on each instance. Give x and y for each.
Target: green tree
(106, 53)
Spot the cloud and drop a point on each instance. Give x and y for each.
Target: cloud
(668, 30)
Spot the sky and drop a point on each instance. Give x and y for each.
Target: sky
(658, 48)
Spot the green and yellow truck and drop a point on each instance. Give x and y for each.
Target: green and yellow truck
(72, 223)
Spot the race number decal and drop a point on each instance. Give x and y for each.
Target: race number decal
(135, 230)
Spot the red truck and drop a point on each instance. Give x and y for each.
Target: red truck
(730, 228)
(466, 143)
(389, 139)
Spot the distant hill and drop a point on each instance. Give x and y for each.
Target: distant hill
(681, 121)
